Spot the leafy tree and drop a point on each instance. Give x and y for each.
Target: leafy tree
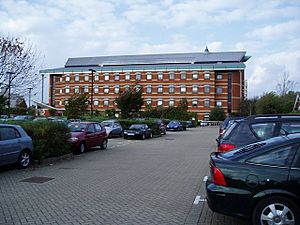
(247, 107)
(76, 106)
(217, 114)
(183, 105)
(269, 103)
(130, 101)
(18, 62)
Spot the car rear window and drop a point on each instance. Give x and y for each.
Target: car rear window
(8, 133)
(229, 130)
(263, 130)
(290, 127)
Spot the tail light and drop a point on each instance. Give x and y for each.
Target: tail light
(217, 176)
(222, 131)
(225, 147)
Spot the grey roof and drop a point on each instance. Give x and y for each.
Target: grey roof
(157, 59)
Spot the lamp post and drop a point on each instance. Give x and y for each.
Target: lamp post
(9, 90)
(92, 92)
(43, 75)
(29, 102)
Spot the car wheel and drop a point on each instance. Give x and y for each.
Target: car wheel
(104, 144)
(82, 148)
(110, 135)
(276, 210)
(143, 136)
(24, 159)
(151, 135)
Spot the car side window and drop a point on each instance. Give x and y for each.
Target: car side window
(8, 133)
(296, 162)
(276, 157)
(264, 130)
(290, 127)
(91, 128)
(98, 127)
(146, 126)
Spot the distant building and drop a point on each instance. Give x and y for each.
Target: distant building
(207, 80)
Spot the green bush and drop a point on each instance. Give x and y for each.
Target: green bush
(50, 139)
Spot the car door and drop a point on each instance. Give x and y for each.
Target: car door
(100, 132)
(294, 176)
(91, 136)
(10, 145)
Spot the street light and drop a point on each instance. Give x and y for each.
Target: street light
(43, 75)
(93, 71)
(9, 85)
(29, 102)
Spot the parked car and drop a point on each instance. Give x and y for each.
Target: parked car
(15, 146)
(85, 135)
(113, 128)
(190, 124)
(175, 125)
(260, 181)
(162, 126)
(4, 117)
(256, 128)
(140, 131)
(227, 122)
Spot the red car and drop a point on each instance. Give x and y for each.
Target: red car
(85, 135)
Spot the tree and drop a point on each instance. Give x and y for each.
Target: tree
(247, 107)
(130, 101)
(217, 114)
(3, 100)
(18, 65)
(183, 105)
(269, 103)
(76, 106)
(285, 85)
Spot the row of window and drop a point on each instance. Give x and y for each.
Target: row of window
(149, 89)
(138, 76)
(160, 102)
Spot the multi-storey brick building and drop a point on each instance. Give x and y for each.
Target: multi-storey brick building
(207, 80)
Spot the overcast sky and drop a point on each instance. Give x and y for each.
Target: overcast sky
(268, 30)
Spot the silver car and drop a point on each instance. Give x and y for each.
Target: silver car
(15, 146)
(113, 128)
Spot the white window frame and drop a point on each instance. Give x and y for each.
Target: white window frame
(160, 89)
(76, 90)
(86, 89)
(183, 88)
(171, 75)
(206, 103)
(219, 76)
(195, 88)
(194, 102)
(160, 102)
(67, 89)
(171, 102)
(96, 102)
(86, 77)
(148, 89)
(106, 102)
(218, 103)
(149, 76)
(195, 75)
(206, 75)
(106, 89)
(127, 76)
(106, 76)
(219, 90)
(138, 76)
(117, 76)
(160, 76)
(96, 89)
(207, 88)
(182, 75)
(67, 78)
(171, 89)
(76, 77)
(117, 89)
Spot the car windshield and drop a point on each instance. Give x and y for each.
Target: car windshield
(136, 126)
(107, 124)
(172, 123)
(77, 127)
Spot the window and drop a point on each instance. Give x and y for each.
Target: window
(148, 101)
(171, 102)
(106, 102)
(159, 102)
(67, 77)
(60, 103)
(86, 89)
(76, 90)
(206, 89)
(218, 103)
(117, 89)
(60, 91)
(206, 102)
(149, 76)
(195, 75)
(195, 88)
(86, 77)
(138, 76)
(96, 102)
(182, 75)
(67, 89)
(160, 76)
(160, 89)
(219, 90)
(183, 88)
(96, 89)
(127, 76)
(290, 127)
(194, 102)
(263, 130)
(206, 75)
(96, 77)
(171, 75)
(66, 102)
(276, 157)
(106, 89)
(76, 77)
(148, 89)
(117, 76)
(98, 127)
(171, 89)
(127, 87)
(106, 76)
(219, 76)
(8, 133)
(60, 79)
(91, 128)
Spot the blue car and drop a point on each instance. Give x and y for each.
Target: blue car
(15, 146)
(175, 125)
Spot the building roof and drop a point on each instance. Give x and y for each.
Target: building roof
(158, 59)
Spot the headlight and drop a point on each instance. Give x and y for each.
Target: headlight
(74, 139)
(125, 132)
(137, 132)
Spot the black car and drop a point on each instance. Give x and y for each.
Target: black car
(257, 128)
(140, 131)
(227, 122)
(260, 181)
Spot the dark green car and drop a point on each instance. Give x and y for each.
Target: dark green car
(260, 181)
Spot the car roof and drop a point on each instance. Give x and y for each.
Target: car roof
(9, 125)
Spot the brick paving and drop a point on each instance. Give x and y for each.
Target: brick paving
(154, 181)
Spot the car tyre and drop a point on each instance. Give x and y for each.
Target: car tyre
(110, 135)
(82, 148)
(276, 209)
(24, 159)
(143, 136)
(151, 135)
(104, 144)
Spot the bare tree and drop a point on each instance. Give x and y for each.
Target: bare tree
(18, 65)
(285, 85)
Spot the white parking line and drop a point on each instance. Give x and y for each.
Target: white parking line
(197, 200)
(205, 178)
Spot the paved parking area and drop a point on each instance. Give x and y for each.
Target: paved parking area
(155, 181)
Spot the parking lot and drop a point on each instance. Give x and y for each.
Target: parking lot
(155, 181)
